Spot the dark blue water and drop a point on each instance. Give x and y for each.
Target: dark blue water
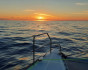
(16, 43)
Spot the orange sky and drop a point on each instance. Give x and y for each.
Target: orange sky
(43, 10)
(45, 17)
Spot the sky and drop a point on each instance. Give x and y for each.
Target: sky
(43, 9)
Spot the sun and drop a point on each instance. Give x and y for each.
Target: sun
(40, 18)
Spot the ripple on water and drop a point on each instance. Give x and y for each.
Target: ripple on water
(15, 44)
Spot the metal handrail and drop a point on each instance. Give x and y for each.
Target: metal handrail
(60, 48)
(34, 36)
(34, 39)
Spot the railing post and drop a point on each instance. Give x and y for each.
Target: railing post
(33, 49)
(60, 48)
(50, 42)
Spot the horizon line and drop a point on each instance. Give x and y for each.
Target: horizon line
(40, 20)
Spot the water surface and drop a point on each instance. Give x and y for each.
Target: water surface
(16, 43)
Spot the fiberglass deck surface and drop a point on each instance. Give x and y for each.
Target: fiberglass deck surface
(50, 62)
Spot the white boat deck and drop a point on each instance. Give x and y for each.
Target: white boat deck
(51, 61)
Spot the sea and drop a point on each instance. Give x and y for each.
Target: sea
(16, 40)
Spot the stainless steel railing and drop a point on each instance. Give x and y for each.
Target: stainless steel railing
(34, 49)
(34, 39)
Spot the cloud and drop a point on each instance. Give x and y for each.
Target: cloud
(85, 11)
(81, 13)
(36, 13)
(41, 14)
(81, 4)
(29, 10)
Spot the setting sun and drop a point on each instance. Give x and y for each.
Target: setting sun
(40, 18)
